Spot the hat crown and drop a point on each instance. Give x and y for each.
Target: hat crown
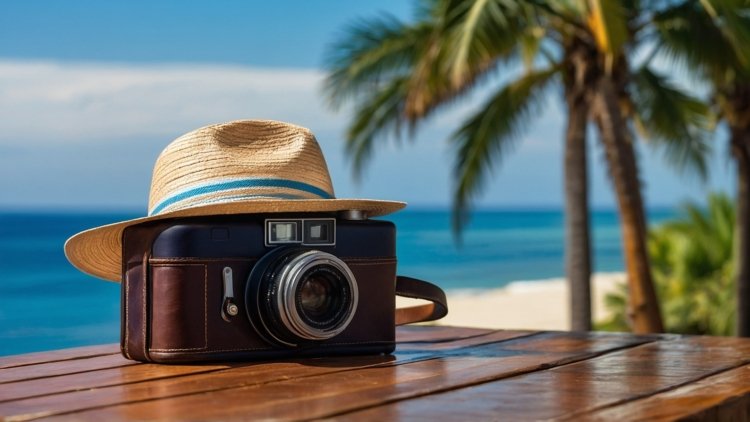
(239, 161)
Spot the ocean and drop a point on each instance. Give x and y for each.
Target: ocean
(46, 304)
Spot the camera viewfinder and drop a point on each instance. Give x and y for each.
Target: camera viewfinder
(319, 232)
(305, 231)
(283, 232)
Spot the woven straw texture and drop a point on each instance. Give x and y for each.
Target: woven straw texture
(247, 166)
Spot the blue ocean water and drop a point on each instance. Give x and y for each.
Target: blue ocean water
(46, 304)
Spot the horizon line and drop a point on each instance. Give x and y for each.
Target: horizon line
(424, 207)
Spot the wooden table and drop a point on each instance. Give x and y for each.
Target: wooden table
(436, 373)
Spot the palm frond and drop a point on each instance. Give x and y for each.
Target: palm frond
(395, 73)
(481, 31)
(568, 12)
(371, 51)
(734, 22)
(376, 116)
(710, 229)
(695, 219)
(469, 39)
(489, 134)
(530, 46)
(688, 35)
(608, 22)
(672, 119)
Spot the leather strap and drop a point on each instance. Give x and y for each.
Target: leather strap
(420, 289)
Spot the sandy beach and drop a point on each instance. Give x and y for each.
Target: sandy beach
(537, 304)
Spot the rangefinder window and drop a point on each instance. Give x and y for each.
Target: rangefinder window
(305, 231)
(319, 232)
(281, 232)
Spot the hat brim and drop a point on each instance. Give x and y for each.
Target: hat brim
(98, 251)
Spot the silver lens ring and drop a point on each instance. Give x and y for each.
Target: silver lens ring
(289, 278)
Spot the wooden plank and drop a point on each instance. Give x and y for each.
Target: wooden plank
(80, 394)
(179, 386)
(115, 376)
(724, 396)
(436, 333)
(42, 370)
(58, 355)
(414, 333)
(572, 391)
(325, 394)
(460, 342)
(97, 379)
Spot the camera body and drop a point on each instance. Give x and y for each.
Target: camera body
(257, 286)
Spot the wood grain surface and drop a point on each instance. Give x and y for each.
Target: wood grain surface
(436, 373)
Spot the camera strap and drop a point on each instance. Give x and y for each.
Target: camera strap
(420, 289)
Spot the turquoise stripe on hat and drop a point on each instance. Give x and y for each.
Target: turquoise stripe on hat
(240, 184)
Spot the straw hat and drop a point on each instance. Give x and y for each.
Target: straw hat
(246, 166)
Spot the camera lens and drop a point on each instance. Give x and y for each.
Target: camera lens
(321, 295)
(296, 295)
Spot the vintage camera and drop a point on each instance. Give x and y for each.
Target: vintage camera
(258, 286)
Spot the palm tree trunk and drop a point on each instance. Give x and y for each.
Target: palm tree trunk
(740, 141)
(577, 240)
(643, 306)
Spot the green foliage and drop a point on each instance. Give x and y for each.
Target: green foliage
(372, 51)
(672, 119)
(397, 74)
(488, 135)
(693, 266)
(688, 35)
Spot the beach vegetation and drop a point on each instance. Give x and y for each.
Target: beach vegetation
(399, 74)
(710, 38)
(693, 259)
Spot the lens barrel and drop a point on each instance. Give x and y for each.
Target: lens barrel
(299, 295)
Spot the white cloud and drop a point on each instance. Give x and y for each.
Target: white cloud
(62, 102)
(87, 134)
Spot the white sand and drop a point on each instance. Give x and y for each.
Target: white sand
(541, 304)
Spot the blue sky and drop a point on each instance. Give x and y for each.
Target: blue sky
(91, 91)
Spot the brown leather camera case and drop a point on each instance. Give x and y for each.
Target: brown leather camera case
(163, 320)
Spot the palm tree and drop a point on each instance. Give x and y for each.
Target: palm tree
(711, 38)
(734, 98)
(399, 74)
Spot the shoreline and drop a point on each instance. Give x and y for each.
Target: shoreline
(526, 304)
